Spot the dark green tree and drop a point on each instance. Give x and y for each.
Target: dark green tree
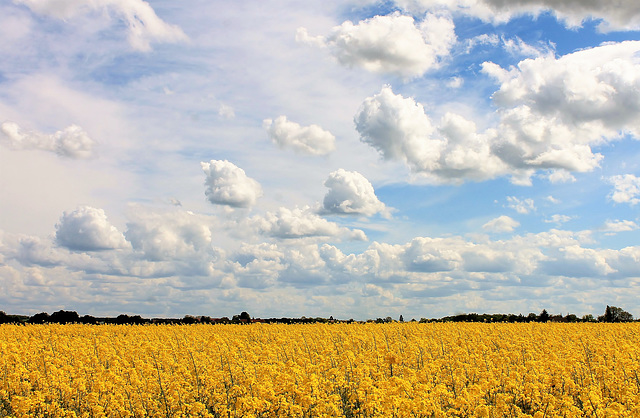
(544, 316)
(615, 314)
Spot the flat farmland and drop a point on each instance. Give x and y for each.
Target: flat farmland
(321, 370)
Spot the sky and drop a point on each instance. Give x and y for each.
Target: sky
(355, 158)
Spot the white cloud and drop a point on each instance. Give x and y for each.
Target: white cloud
(225, 111)
(168, 235)
(624, 16)
(87, 229)
(308, 139)
(71, 142)
(390, 44)
(399, 129)
(143, 25)
(560, 176)
(351, 193)
(620, 226)
(455, 82)
(301, 223)
(626, 189)
(551, 111)
(227, 184)
(558, 219)
(523, 207)
(501, 224)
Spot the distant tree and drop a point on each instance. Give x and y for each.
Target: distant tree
(401, 318)
(571, 318)
(244, 316)
(588, 318)
(126, 319)
(64, 317)
(189, 319)
(544, 316)
(532, 317)
(39, 318)
(88, 319)
(615, 314)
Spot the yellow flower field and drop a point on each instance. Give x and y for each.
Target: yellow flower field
(321, 370)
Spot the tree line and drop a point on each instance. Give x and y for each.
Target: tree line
(611, 314)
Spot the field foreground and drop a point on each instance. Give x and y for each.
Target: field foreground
(321, 370)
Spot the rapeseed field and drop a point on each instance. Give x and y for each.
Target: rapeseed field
(321, 370)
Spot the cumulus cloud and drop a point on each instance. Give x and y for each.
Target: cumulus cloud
(301, 223)
(351, 193)
(144, 26)
(620, 226)
(87, 229)
(558, 219)
(308, 139)
(551, 112)
(501, 224)
(390, 44)
(71, 142)
(626, 189)
(169, 235)
(624, 16)
(399, 129)
(227, 184)
(523, 207)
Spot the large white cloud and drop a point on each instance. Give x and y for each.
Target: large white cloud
(227, 184)
(144, 26)
(305, 139)
(71, 142)
(390, 44)
(400, 129)
(551, 112)
(87, 229)
(301, 223)
(351, 193)
(615, 15)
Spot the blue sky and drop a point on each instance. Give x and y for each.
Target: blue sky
(358, 159)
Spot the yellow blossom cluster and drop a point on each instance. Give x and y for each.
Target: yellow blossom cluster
(321, 370)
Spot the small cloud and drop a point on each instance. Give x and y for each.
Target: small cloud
(518, 47)
(351, 193)
(501, 224)
(558, 219)
(71, 142)
(619, 226)
(455, 82)
(227, 184)
(523, 207)
(301, 223)
(552, 199)
(626, 189)
(560, 176)
(389, 44)
(226, 111)
(311, 139)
